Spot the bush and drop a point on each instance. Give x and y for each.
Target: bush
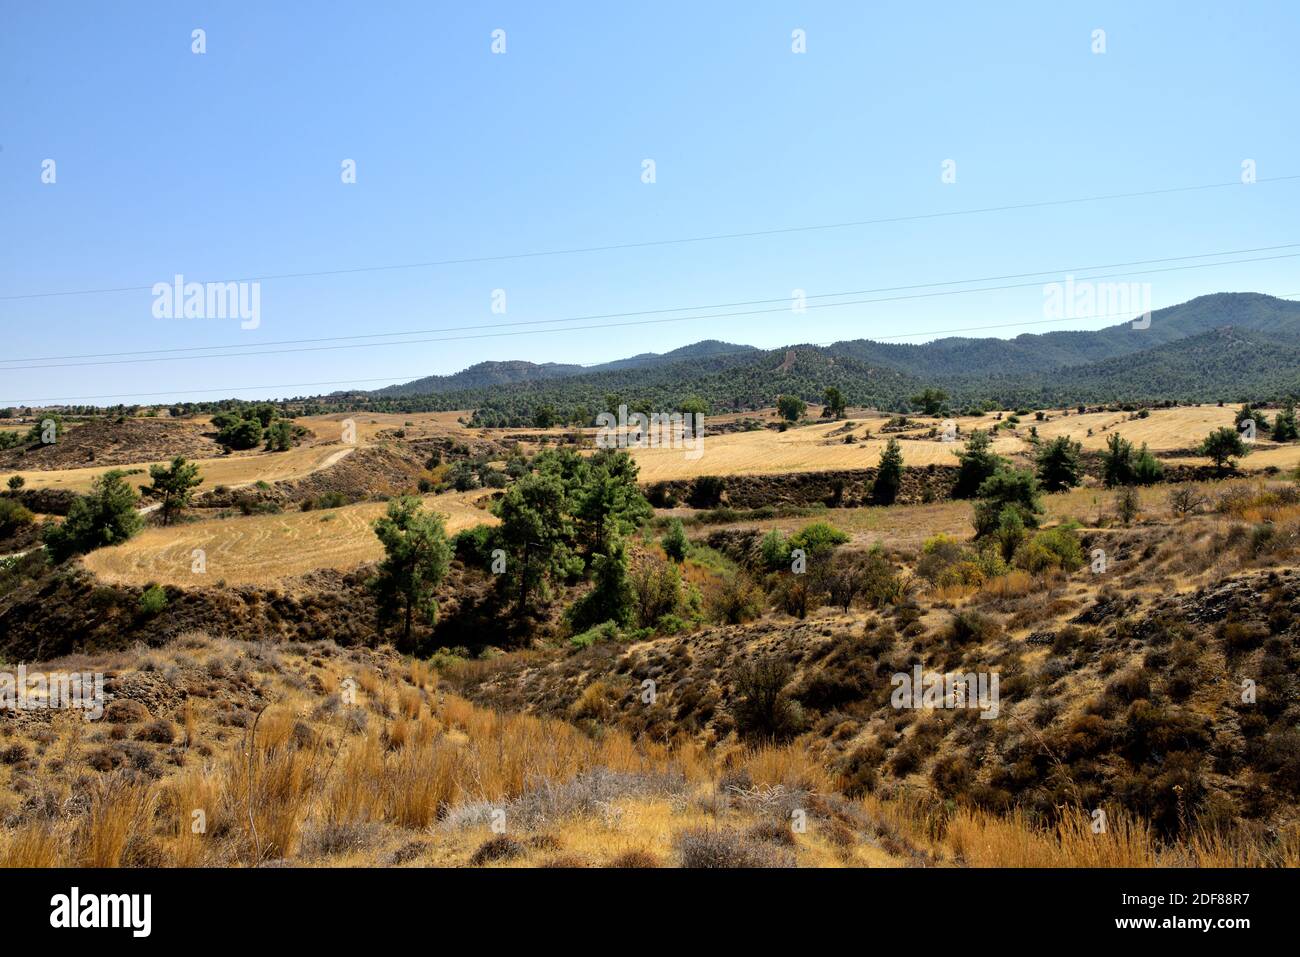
(605, 631)
(153, 600)
(707, 491)
(726, 848)
(967, 627)
(13, 517)
(818, 539)
(762, 707)
(1054, 548)
(732, 598)
(675, 542)
(656, 589)
(938, 553)
(775, 551)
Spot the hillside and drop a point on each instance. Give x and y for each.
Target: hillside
(1185, 355)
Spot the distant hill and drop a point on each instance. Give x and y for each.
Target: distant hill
(494, 374)
(1227, 346)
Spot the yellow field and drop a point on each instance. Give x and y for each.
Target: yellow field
(808, 449)
(240, 468)
(259, 549)
(1163, 430)
(814, 449)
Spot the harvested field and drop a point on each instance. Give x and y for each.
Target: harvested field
(812, 448)
(258, 549)
(240, 468)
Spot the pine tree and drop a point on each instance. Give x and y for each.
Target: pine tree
(416, 557)
(889, 476)
(976, 464)
(175, 485)
(1059, 466)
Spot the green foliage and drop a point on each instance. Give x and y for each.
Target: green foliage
(976, 464)
(1221, 445)
(13, 516)
(605, 631)
(608, 498)
(676, 545)
(889, 475)
(706, 491)
(1147, 469)
(1052, 548)
(106, 516)
(279, 436)
(610, 598)
(656, 588)
(816, 539)
(775, 550)
(474, 546)
(1248, 413)
(241, 434)
(791, 407)
(1013, 490)
(174, 485)
(536, 530)
(833, 403)
(16, 482)
(416, 558)
(1059, 465)
(1117, 461)
(153, 600)
(931, 401)
(1284, 425)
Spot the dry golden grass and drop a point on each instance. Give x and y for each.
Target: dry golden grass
(319, 781)
(239, 468)
(807, 449)
(259, 549)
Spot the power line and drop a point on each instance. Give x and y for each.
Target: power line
(714, 237)
(413, 376)
(647, 322)
(643, 312)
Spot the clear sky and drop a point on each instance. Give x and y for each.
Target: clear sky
(227, 165)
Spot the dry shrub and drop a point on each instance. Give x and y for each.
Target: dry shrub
(727, 848)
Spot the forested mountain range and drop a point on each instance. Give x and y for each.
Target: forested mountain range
(1222, 347)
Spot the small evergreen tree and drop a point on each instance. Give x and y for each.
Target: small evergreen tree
(889, 475)
(106, 516)
(1059, 467)
(675, 542)
(931, 401)
(1117, 461)
(833, 403)
(1284, 425)
(791, 407)
(1221, 445)
(976, 464)
(1015, 489)
(174, 485)
(416, 557)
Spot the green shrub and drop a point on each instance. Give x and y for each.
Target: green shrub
(153, 600)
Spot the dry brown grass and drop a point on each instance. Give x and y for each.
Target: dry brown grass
(261, 549)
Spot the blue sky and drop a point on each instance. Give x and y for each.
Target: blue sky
(227, 165)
